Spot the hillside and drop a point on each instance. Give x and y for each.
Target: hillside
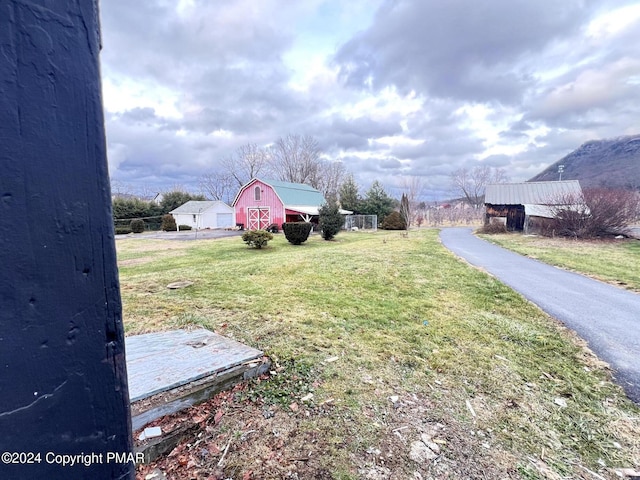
(600, 163)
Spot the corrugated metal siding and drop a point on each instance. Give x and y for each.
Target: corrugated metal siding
(539, 193)
(268, 198)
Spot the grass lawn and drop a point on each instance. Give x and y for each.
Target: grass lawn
(612, 261)
(397, 340)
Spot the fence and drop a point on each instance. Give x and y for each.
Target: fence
(150, 223)
(361, 222)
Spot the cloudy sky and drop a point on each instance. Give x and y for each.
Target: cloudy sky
(393, 89)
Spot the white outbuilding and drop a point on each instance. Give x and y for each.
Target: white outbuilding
(205, 214)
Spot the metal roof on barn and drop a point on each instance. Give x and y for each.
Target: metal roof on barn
(296, 193)
(196, 206)
(533, 193)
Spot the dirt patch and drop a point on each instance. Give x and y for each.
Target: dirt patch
(417, 443)
(241, 439)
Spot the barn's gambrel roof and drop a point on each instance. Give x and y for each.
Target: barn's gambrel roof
(297, 194)
(533, 193)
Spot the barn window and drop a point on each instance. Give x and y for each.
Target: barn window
(194, 218)
(256, 193)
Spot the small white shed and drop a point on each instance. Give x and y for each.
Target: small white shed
(205, 214)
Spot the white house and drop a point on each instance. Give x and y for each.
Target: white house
(205, 214)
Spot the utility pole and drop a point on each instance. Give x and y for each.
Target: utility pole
(560, 170)
(64, 401)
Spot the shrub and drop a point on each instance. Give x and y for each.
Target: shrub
(256, 238)
(331, 220)
(393, 221)
(297, 232)
(168, 223)
(493, 228)
(184, 227)
(123, 230)
(137, 225)
(598, 212)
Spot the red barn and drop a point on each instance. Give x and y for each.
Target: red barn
(260, 203)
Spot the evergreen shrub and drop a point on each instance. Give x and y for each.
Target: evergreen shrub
(168, 223)
(393, 221)
(256, 238)
(137, 225)
(331, 220)
(296, 232)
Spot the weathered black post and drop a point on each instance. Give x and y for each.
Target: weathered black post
(64, 409)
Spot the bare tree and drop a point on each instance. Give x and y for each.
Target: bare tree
(247, 162)
(413, 187)
(599, 211)
(471, 184)
(218, 186)
(118, 188)
(330, 177)
(296, 159)
(147, 193)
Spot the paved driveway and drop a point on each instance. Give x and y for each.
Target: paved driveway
(607, 317)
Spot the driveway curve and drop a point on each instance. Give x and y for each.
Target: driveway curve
(607, 317)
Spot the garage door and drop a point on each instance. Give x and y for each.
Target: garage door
(224, 220)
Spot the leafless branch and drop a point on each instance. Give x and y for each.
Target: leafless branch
(597, 212)
(471, 184)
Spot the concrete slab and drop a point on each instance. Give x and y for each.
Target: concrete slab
(157, 362)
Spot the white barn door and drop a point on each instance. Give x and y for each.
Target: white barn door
(259, 218)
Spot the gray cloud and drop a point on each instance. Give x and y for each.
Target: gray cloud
(366, 127)
(459, 49)
(546, 83)
(390, 164)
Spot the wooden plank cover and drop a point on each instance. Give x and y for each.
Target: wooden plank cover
(157, 362)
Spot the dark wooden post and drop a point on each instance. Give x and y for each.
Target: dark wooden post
(63, 383)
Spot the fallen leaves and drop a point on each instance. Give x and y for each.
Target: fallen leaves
(234, 439)
(217, 417)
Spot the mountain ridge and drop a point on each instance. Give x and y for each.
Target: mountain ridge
(609, 163)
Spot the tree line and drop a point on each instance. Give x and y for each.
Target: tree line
(126, 209)
(375, 201)
(299, 159)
